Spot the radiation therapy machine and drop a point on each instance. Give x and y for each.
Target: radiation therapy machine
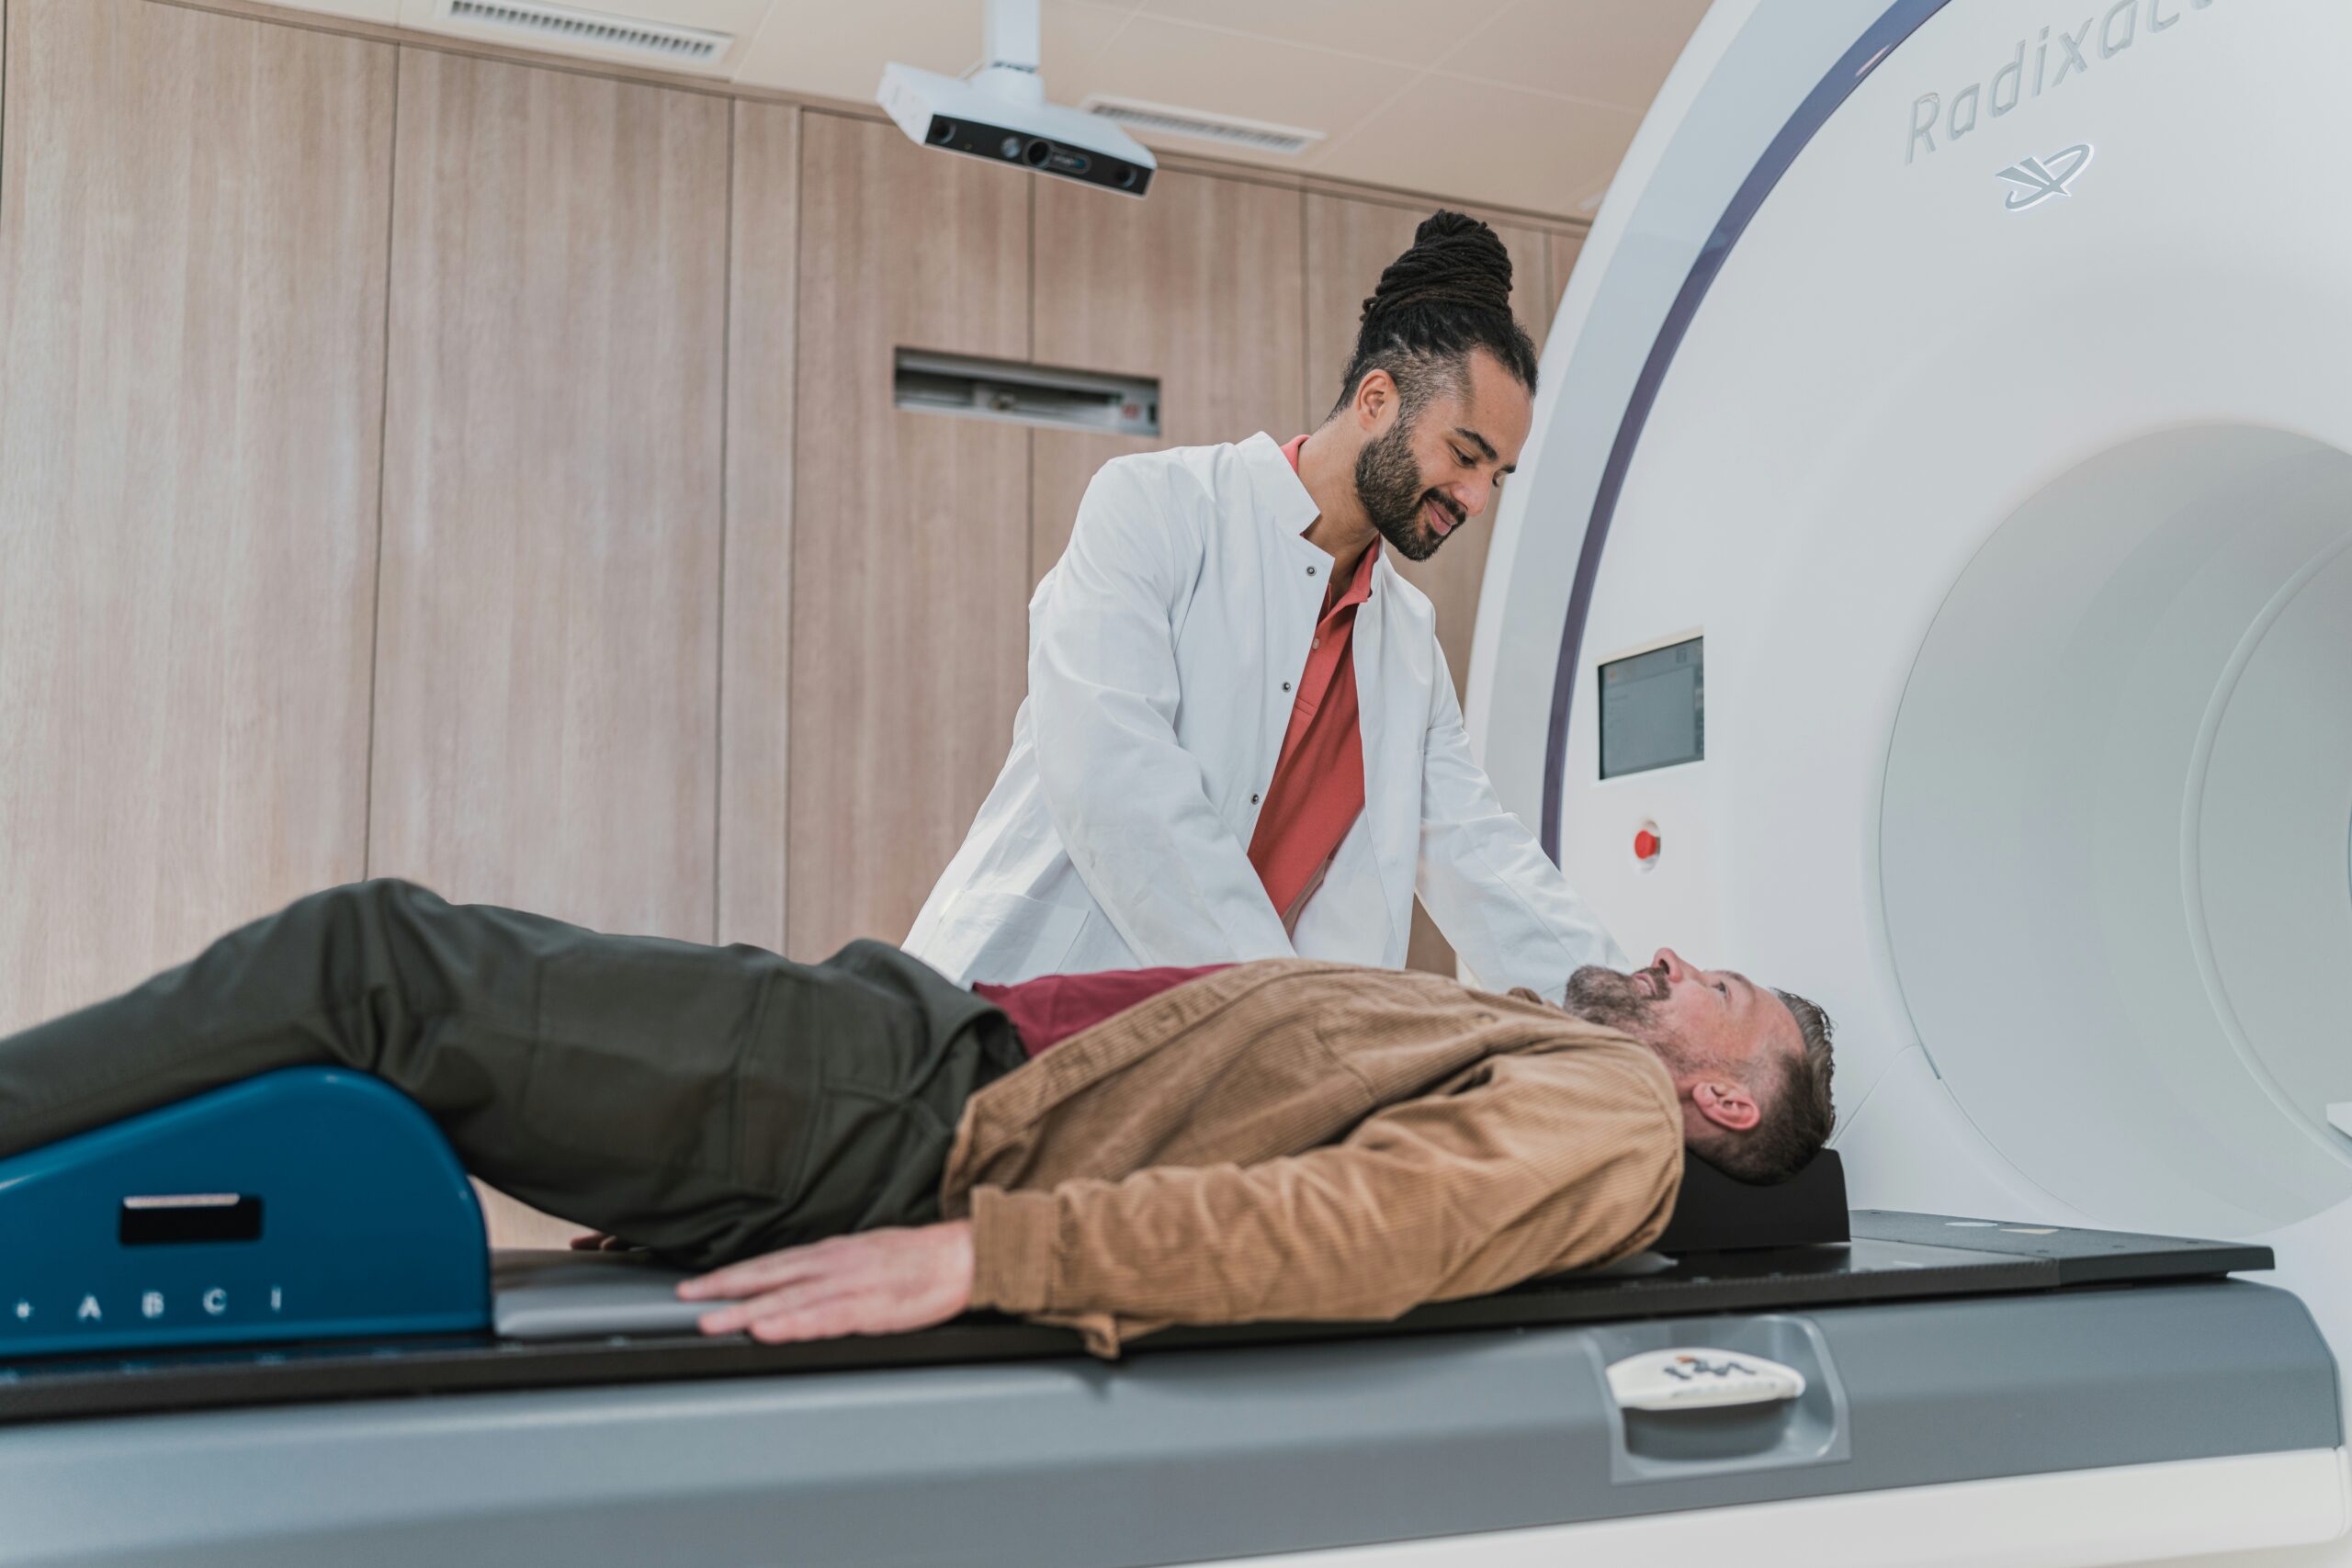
(1929, 587)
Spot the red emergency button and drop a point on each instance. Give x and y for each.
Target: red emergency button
(1646, 844)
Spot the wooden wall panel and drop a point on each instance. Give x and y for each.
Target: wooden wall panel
(192, 249)
(1561, 251)
(1348, 244)
(755, 674)
(547, 682)
(1198, 285)
(911, 533)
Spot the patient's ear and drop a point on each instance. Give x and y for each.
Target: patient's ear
(1726, 1103)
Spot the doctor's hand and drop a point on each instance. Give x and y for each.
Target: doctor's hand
(885, 1282)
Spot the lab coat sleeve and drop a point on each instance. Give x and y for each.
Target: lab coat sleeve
(1130, 804)
(1484, 879)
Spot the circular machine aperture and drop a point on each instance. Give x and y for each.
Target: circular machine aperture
(2111, 832)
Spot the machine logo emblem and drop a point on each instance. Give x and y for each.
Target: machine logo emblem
(2039, 179)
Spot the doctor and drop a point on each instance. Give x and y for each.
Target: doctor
(1240, 739)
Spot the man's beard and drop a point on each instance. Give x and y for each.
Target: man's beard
(1389, 488)
(1614, 1002)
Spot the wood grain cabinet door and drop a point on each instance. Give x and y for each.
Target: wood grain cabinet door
(755, 659)
(910, 530)
(547, 670)
(192, 276)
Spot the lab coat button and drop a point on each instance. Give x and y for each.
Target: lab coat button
(1286, 685)
(1253, 800)
(1310, 572)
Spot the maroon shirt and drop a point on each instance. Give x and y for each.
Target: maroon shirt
(1051, 1008)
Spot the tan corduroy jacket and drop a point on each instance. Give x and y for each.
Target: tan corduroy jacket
(1296, 1140)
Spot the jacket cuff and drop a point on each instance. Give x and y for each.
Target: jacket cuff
(1013, 1249)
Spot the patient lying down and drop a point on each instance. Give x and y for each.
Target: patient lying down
(859, 1147)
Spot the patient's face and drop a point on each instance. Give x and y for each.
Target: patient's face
(1697, 1019)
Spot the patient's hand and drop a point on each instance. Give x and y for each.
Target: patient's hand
(887, 1282)
(598, 1241)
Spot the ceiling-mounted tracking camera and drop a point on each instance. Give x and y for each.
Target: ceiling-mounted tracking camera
(1000, 113)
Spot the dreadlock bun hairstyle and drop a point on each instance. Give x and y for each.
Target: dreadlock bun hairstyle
(1446, 296)
(1454, 260)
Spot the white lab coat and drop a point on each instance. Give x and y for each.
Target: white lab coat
(1161, 649)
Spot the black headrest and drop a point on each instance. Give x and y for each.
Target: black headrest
(1721, 1213)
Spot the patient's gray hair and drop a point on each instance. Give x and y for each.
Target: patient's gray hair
(1798, 1111)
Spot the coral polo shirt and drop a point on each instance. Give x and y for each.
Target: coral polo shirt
(1317, 790)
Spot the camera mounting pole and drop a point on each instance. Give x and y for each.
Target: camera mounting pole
(1010, 40)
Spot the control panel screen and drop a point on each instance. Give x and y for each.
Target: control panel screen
(1654, 709)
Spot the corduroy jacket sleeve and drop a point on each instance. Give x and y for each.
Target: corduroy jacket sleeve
(1533, 1163)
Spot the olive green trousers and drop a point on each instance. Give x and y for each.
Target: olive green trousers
(705, 1102)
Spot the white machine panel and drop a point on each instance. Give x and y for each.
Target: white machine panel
(1978, 376)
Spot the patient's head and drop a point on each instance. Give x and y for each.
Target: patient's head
(1751, 1065)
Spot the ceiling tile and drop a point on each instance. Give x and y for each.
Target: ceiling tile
(1489, 144)
(1408, 32)
(1169, 62)
(837, 51)
(387, 12)
(1075, 32)
(1611, 52)
(1527, 144)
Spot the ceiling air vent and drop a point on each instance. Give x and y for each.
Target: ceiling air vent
(1256, 135)
(555, 25)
